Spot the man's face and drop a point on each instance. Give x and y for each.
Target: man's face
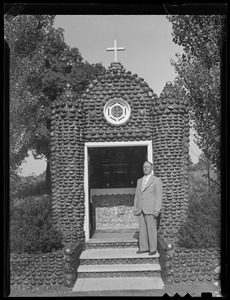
(147, 168)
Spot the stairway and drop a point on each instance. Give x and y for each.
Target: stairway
(110, 262)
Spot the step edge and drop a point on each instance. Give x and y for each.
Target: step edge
(119, 257)
(98, 269)
(111, 240)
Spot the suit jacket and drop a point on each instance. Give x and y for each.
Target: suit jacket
(150, 199)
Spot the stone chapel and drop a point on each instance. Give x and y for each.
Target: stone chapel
(99, 143)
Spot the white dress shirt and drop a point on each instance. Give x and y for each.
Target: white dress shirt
(145, 179)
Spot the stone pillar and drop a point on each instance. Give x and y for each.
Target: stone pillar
(170, 156)
(67, 167)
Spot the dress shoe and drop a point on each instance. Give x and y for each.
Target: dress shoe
(140, 252)
(152, 253)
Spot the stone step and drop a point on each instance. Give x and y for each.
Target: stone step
(117, 233)
(121, 267)
(119, 270)
(109, 261)
(118, 284)
(113, 239)
(116, 256)
(111, 243)
(111, 253)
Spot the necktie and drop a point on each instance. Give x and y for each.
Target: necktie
(144, 182)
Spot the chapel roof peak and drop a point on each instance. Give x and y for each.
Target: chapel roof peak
(116, 67)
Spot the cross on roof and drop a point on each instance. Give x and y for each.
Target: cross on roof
(115, 49)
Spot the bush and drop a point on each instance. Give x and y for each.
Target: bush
(202, 228)
(22, 187)
(31, 228)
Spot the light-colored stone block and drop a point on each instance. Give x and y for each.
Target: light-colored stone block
(118, 284)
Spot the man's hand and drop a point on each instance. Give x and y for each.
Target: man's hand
(156, 214)
(134, 212)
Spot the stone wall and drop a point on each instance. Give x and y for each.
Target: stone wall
(32, 271)
(181, 265)
(45, 270)
(170, 156)
(118, 83)
(67, 167)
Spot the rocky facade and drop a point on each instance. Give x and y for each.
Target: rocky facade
(67, 167)
(164, 120)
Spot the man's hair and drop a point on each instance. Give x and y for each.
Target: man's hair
(148, 162)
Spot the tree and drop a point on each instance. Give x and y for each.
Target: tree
(41, 65)
(203, 177)
(205, 165)
(23, 35)
(62, 65)
(199, 74)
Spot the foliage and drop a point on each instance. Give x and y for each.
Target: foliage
(202, 228)
(199, 74)
(22, 187)
(62, 65)
(23, 35)
(41, 64)
(31, 228)
(203, 177)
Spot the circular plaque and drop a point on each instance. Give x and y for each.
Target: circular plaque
(117, 111)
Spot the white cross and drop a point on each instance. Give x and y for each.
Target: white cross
(115, 49)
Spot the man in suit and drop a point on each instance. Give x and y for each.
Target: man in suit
(147, 206)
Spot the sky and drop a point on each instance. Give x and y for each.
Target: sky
(146, 38)
(148, 44)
